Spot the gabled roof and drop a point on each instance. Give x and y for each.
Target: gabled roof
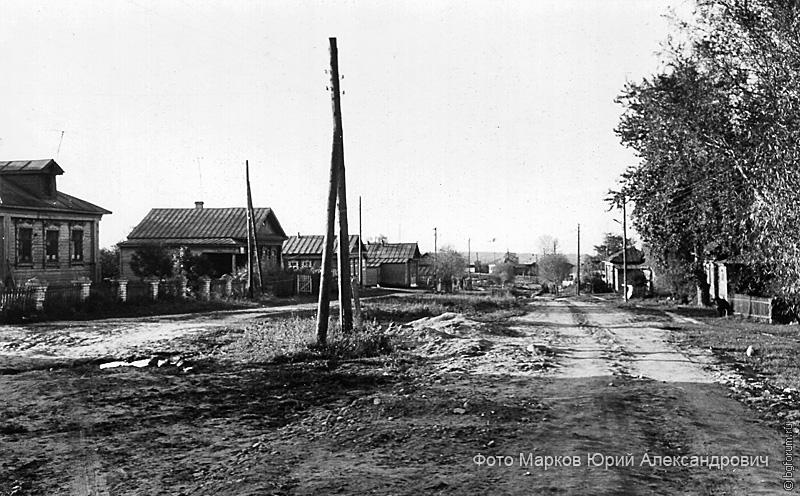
(312, 245)
(14, 196)
(632, 256)
(163, 224)
(48, 166)
(379, 253)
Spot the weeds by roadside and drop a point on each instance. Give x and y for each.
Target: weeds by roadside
(408, 308)
(775, 348)
(294, 339)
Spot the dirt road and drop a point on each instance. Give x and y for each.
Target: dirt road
(571, 398)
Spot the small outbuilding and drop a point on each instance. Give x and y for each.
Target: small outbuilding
(393, 264)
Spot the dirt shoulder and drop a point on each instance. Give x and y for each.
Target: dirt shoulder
(567, 379)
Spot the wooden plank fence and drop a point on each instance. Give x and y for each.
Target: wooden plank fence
(752, 306)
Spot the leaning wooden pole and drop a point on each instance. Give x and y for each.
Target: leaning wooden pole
(254, 230)
(249, 254)
(345, 291)
(323, 308)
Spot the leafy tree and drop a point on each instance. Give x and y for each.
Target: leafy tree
(109, 262)
(505, 272)
(193, 266)
(450, 264)
(554, 267)
(152, 261)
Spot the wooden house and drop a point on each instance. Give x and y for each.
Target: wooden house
(305, 252)
(47, 234)
(639, 275)
(392, 264)
(218, 233)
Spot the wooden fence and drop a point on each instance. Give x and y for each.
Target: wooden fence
(18, 301)
(752, 306)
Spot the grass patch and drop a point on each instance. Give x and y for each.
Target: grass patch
(408, 308)
(294, 339)
(777, 347)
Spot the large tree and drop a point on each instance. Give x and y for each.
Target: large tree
(554, 268)
(717, 135)
(450, 264)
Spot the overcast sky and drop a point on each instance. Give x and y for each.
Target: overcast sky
(489, 120)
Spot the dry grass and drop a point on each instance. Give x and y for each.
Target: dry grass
(294, 339)
(776, 347)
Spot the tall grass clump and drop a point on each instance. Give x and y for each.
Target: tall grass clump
(294, 339)
(408, 308)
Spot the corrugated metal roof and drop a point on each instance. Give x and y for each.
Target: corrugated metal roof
(24, 166)
(184, 242)
(206, 223)
(13, 196)
(379, 253)
(312, 245)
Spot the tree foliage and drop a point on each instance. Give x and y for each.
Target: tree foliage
(554, 267)
(152, 261)
(717, 134)
(109, 262)
(505, 272)
(450, 264)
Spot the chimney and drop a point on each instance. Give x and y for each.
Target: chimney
(198, 205)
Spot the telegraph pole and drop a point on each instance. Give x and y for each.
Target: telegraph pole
(624, 250)
(323, 308)
(435, 268)
(360, 248)
(579, 261)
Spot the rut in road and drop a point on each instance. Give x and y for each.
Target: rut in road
(650, 398)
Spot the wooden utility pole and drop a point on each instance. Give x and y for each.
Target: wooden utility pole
(360, 248)
(345, 290)
(336, 187)
(251, 214)
(249, 253)
(624, 250)
(579, 261)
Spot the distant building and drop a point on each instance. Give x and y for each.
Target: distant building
(392, 264)
(47, 234)
(639, 275)
(218, 233)
(305, 252)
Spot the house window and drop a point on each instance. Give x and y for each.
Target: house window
(307, 263)
(25, 245)
(294, 264)
(77, 245)
(51, 246)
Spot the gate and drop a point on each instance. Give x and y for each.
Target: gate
(304, 285)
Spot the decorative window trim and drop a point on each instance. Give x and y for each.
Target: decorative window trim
(50, 227)
(75, 257)
(20, 224)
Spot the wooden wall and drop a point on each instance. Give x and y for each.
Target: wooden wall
(65, 269)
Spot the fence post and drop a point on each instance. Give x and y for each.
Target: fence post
(205, 288)
(228, 280)
(153, 281)
(122, 290)
(40, 292)
(182, 282)
(85, 285)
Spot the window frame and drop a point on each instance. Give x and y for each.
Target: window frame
(24, 261)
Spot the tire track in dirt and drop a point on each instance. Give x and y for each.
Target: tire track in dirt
(701, 418)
